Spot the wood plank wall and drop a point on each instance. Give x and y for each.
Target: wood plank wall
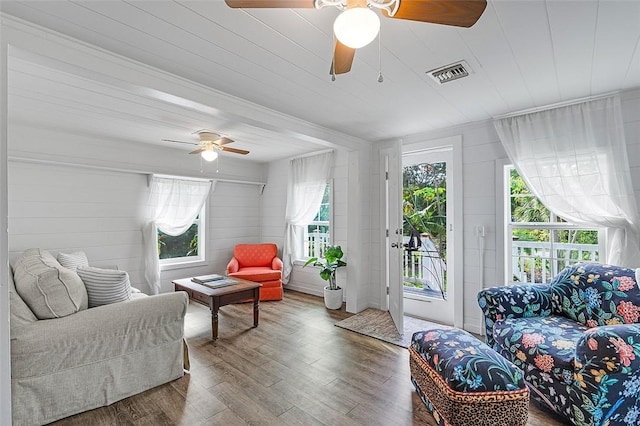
(66, 209)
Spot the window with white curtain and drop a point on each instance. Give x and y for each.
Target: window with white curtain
(574, 159)
(539, 242)
(175, 205)
(186, 247)
(317, 235)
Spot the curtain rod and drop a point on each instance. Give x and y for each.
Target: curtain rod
(555, 105)
(115, 169)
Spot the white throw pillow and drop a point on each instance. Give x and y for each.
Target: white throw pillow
(49, 290)
(105, 286)
(73, 260)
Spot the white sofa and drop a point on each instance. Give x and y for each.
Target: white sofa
(94, 357)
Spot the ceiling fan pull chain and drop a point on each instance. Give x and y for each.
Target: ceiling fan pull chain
(380, 79)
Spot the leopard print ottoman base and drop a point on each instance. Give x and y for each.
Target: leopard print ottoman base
(465, 383)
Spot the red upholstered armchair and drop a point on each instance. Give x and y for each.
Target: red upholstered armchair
(258, 263)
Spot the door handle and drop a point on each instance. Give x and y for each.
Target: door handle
(394, 245)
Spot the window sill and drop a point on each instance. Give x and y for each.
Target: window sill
(183, 265)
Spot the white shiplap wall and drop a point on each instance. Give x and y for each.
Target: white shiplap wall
(274, 201)
(482, 150)
(64, 208)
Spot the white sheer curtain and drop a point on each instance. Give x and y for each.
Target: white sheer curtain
(574, 159)
(308, 177)
(173, 206)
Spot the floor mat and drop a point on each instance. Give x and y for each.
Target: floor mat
(378, 324)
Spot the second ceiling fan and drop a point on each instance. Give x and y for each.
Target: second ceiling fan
(358, 24)
(209, 145)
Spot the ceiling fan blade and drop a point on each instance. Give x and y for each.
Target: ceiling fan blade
(234, 150)
(223, 141)
(198, 151)
(188, 143)
(459, 13)
(342, 59)
(288, 4)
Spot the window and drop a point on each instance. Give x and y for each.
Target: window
(539, 243)
(317, 234)
(186, 247)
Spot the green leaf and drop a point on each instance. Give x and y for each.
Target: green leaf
(311, 260)
(577, 414)
(581, 318)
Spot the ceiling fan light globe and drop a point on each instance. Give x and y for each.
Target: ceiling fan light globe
(209, 155)
(356, 27)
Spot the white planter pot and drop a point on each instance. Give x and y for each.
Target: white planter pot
(332, 298)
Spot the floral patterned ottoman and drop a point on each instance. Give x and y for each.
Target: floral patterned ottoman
(464, 382)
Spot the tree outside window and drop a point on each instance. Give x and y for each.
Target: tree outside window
(185, 246)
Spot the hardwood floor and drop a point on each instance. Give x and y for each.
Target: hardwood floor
(296, 368)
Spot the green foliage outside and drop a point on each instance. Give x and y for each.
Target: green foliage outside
(424, 202)
(526, 208)
(424, 207)
(323, 215)
(184, 245)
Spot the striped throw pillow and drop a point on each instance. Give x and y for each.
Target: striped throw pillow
(73, 260)
(105, 286)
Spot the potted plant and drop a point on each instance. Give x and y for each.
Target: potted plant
(329, 263)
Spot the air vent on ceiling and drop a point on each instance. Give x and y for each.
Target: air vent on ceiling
(450, 72)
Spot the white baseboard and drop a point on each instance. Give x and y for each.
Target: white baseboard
(305, 289)
(473, 328)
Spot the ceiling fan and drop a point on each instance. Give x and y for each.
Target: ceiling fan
(358, 25)
(209, 145)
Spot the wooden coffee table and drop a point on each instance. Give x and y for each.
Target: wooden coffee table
(214, 298)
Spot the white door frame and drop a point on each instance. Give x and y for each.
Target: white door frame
(455, 248)
(5, 343)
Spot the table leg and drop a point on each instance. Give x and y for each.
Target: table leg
(256, 306)
(215, 306)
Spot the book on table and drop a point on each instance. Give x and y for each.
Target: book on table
(207, 278)
(219, 283)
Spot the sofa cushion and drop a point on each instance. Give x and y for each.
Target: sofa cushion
(49, 290)
(73, 260)
(257, 274)
(20, 312)
(255, 254)
(547, 343)
(595, 294)
(105, 286)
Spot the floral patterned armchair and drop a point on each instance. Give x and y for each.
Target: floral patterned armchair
(577, 339)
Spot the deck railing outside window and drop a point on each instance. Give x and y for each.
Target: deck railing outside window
(316, 241)
(539, 262)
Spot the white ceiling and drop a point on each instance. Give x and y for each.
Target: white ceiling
(522, 53)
